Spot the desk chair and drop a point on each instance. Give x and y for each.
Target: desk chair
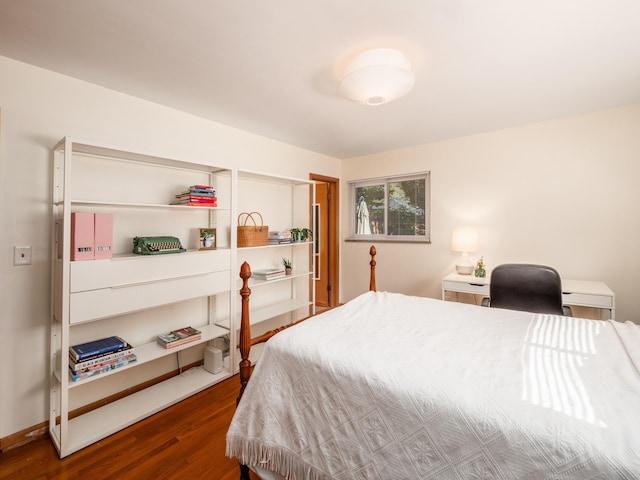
(530, 288)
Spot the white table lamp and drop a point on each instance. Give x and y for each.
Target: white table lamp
(464, 240)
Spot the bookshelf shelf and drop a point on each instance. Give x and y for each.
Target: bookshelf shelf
(149, 352)
(261, 314)
(92, 203)
(97, 424)
(281, 245)
(253, 282)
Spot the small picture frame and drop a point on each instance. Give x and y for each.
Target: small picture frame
(207, 239)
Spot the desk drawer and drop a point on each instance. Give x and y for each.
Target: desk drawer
(465, 287)
(587, 300)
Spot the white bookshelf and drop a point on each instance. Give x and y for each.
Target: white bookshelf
(286, 299)
(138, 297)
(133, 296)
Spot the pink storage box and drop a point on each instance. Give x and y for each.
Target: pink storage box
(103, 233)
(82, 236)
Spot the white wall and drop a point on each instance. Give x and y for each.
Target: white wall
(38, 108)
(564, 193)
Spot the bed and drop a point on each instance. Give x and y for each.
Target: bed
(390, 386)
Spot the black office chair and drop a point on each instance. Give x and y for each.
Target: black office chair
(530, 288)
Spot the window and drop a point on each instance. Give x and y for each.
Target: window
(390, 209)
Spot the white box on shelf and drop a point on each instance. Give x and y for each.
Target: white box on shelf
(213, 360)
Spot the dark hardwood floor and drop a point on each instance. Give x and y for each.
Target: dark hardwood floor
(185, 441)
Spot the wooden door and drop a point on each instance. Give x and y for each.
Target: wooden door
(321, 250)
(326, 241)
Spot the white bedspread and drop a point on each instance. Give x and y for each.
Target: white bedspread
(393, 387)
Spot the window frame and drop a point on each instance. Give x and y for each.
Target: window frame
(352, 224)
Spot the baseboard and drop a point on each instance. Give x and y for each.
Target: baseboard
(41, 430)
(27, 435)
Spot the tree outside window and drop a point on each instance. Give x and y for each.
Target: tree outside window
(394, 209)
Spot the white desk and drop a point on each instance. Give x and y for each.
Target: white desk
(582, 293)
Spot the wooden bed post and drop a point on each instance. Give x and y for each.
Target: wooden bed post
(245, 345)
(245, 329)
(372, 277)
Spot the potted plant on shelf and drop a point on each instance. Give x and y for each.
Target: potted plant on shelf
(287, 266)
(305, 234)
(295, 234)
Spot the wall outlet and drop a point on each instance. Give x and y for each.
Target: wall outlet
(22, 255)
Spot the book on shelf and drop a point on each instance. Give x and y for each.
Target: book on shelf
(179, 337)
(201, 190)
(197, 197)
(97, 359)
(177, 343)
(196, 204)
(269, 274)
(107, 367)
(94, 348)
(197, 193)
(212, 202)
(113, 361)
(282, 235)
(279, 238)
(279, 241)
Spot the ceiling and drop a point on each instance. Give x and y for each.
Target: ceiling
(273, 67)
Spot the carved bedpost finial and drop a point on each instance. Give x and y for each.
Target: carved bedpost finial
(372, 277)
(245, 330)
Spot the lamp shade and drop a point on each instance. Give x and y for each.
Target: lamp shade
(377, 76)
(465, 239)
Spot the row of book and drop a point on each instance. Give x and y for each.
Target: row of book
(279, 238)
(268, 274)
(179, 337)
(197, 196)
(99, 356)
(106, 354)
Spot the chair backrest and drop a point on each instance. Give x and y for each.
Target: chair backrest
(530, 288)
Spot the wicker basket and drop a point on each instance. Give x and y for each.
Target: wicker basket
(252, 235)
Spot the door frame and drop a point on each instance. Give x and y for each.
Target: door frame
(334, 235)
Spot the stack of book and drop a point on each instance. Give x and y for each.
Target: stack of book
(179, 337)
(99, 356)
(279, 238)
(268, 274)
(197, 196)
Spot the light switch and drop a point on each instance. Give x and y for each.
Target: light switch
(22, 255)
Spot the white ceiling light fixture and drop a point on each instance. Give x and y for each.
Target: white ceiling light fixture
(377, 76)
